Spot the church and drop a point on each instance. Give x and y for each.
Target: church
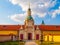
(29, 31)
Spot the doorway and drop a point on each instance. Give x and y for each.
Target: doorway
(37, 36)
(21, 36)
(29, 36)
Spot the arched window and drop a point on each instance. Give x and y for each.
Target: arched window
(37, 36)
(21, 36)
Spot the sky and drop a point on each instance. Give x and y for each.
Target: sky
(15, 11)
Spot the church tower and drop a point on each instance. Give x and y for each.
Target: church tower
(29, 22)
(29, 25)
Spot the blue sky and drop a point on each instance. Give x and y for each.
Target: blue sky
(14, 11)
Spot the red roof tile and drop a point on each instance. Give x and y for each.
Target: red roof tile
(50, 27)
(41, 27)
(10, 27)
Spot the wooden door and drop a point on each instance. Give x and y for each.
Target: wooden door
(37, 36)
(29, 36)
(21, 36)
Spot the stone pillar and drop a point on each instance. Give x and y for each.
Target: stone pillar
(48, 38)
(25, 36)
(33, 36)
(11, 37)
(52, 38)
(14, 38)
(18, 37)
(41, 36)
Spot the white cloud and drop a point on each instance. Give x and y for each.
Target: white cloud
(41, 14)
(55, 12)
(39, 7)
(18, 18)
(59, 7)
(13, 1)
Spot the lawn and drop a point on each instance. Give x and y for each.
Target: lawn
(47, 43)
(12, 43)
(22, 43)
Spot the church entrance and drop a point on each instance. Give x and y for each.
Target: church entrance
(21, 36)
(37, 36)
(29, 36)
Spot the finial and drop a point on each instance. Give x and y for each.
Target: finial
(29, 4)
(37, 27)
(21, 27)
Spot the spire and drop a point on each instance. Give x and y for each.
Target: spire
(29, 10)
(29, 17)
(43, 22)
(29, 4)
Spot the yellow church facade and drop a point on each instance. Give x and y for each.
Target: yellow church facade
(30, 31)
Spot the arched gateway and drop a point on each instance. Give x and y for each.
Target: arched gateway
(29, 36)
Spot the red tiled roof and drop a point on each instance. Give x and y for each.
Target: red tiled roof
(50, 27)
(10, 27)
(6, 35)
(41, 27)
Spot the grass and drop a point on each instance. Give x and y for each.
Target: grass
(22, 43)
(47, 43)
(12, 43)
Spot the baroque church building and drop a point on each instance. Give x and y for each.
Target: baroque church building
(29, 31)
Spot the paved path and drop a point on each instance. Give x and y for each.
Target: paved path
(30, 43)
